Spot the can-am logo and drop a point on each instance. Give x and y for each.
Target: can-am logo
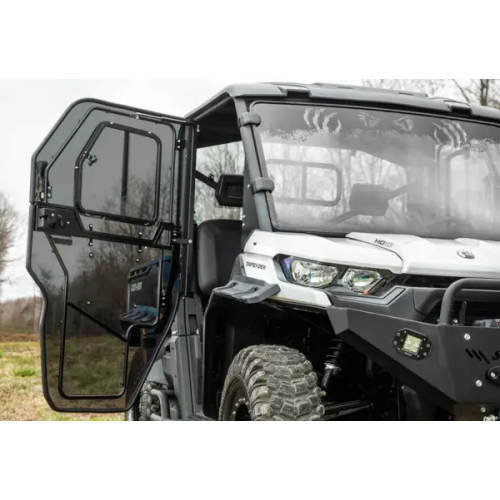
(466, 254)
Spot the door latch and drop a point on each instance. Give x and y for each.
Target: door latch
(91, 159)
(50, 219)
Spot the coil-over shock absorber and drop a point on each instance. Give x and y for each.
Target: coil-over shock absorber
(333, 363)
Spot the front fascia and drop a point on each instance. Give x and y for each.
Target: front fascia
(458, 364)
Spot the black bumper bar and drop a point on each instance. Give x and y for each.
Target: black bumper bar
(456, 365)
(458, 286)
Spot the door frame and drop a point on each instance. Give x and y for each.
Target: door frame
(184, 152)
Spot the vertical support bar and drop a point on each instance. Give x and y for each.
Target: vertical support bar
(187, 165)
(125, 169)
(254, 156)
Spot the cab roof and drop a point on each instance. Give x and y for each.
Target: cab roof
(347, 93)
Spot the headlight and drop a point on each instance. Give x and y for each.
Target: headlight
(310, 274)
(318, 275)
(361, 280)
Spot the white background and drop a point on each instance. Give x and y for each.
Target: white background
(231, 41)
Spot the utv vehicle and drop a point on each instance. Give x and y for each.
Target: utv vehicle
(285, 252)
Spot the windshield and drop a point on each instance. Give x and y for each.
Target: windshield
(340, 170)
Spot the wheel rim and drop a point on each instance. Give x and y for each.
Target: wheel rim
(241, 411)
(237, 405)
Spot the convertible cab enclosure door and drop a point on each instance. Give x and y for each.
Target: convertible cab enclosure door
(103, 194)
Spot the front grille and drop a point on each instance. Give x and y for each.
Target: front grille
(437, 282)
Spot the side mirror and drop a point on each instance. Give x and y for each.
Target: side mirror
(229, 191)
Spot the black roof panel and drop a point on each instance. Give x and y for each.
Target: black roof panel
(348, 93)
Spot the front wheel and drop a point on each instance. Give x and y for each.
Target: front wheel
(271, 383)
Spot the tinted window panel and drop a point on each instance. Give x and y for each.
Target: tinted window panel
(120, 175)
(102, 172)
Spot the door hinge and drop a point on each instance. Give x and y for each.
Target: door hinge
(180, 144)
(40, 170)
(181, 241)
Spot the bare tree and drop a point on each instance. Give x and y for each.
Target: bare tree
(19, 315)
(429, 87)
(485, 92)
(8, 231)
(213, 162)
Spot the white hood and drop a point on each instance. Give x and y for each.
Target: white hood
(399, 254)
(462, 258)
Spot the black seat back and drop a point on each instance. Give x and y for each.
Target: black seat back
(218, 245)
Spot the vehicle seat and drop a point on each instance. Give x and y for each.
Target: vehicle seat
(218, 244)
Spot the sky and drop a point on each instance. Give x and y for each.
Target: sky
(31, 107)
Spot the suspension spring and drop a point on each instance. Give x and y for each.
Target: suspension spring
(333, 363)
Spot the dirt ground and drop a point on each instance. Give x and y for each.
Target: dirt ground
(21, 396)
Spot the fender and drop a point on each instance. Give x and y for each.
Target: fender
(248, 290)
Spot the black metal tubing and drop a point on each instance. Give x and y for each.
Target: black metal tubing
(341, 410)
(100, 324)
(63, 321)
(94, 235)
(125, 173)
(187, 165)
(206, 180)
(62, 351)
(458, 286)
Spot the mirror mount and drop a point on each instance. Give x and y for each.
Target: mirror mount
(229, 192)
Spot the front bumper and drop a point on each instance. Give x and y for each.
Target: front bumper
(460, 366)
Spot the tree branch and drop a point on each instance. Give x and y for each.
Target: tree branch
(462, 90)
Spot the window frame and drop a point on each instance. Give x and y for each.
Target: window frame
(82, 157)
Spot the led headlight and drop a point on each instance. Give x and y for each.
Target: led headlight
(310, 274)
(319, 275)
(361, 280)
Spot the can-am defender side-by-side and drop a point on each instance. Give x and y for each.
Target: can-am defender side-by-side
(285, 252)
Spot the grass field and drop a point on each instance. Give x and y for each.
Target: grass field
(21, 396)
